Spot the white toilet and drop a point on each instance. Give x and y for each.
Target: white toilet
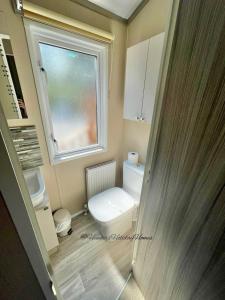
(115, 208)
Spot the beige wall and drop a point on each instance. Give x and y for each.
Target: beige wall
(150, 21)
(65, 182)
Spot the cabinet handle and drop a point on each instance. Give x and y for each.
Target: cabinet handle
(141, 117)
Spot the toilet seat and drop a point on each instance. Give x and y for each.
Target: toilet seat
(110, 204)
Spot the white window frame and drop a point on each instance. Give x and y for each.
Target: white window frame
(37, 33)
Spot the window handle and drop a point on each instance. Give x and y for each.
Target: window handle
(44, 71)
(54, 140)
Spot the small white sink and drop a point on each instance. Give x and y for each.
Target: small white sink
(35, 185)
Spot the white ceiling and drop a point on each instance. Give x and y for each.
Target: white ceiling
(122, 8)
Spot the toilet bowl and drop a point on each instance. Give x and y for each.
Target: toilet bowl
(115, 208)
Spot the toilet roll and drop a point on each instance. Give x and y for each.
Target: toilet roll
(133, 157)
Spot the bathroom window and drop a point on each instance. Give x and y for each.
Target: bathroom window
(71, 79)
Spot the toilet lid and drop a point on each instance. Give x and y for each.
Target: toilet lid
(110, 204)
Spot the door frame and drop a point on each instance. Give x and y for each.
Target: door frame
(16, 195)
(154, 132)
(18, 202)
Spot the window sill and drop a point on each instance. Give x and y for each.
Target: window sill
(72, 156)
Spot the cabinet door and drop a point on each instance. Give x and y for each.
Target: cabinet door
(134, 80)
(152, 75)
(47, 227)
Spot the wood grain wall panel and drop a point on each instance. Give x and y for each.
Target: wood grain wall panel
(183, 204)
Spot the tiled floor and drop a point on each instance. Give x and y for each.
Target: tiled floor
(91, 269)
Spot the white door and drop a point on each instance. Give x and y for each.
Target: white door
(152, 75)
(18, 202)
(135, 80)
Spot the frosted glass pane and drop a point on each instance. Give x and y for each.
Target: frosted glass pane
(71, 82)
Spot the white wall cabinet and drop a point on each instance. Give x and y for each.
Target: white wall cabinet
(141, 78)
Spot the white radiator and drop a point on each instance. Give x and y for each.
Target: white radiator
(100, 178)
